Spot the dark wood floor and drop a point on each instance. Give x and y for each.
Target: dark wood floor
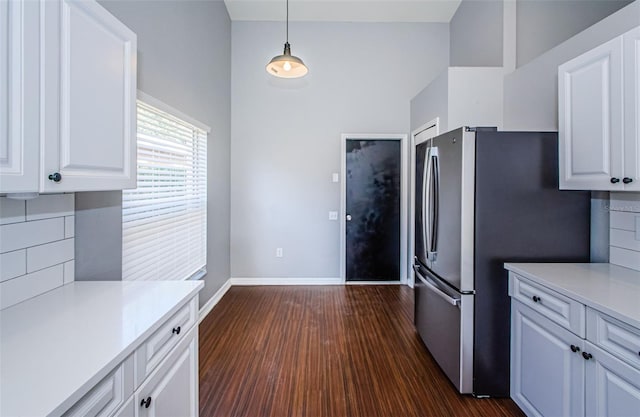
(324, 351)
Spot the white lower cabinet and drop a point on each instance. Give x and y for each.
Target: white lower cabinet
(555, 372)
(547, 370)
(172, 390)
(612, 386)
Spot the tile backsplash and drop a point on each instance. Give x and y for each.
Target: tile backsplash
(624, 230)
(36, 246)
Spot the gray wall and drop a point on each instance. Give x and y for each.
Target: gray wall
(476, 34)
(543, 24)
(98, 246)
(531, 92)
(286, 133)
(430, 103)
(184, 50)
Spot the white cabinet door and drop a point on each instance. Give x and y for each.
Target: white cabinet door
(612, 387)
(547, 369)
(590, 119)
(89, 95)
(632, 110)
(172, 389)
(19, 89)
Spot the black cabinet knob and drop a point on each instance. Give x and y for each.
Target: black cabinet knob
(176, 330)
(55, 177)
(145, 403)
(575, 348)
(535, 299)
(615, 180)
(587, 356)
(627, 180)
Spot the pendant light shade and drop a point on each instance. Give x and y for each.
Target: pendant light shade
(287, 65)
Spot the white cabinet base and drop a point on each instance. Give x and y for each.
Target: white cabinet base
(612, 386)
(547, 377)
(172, 389)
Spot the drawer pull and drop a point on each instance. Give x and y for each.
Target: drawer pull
(536, 299)
(145, 403)
(587, 356)
(176, 330)
(575, 348)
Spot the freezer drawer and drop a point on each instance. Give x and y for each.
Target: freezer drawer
(444, 320)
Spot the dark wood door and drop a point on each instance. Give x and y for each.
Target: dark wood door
(373, 169)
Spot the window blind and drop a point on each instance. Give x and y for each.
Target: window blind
(164, 220)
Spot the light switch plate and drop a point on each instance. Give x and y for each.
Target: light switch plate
(335, 177)
(333, 215)
(637, 227)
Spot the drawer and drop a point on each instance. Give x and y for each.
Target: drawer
(107, 395)
(563, 310)
(156, 347)
(614, 336)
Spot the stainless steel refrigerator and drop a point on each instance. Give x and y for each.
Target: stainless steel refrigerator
(485, 197)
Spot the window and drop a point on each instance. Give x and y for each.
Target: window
(164, 220)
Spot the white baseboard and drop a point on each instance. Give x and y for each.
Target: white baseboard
(206, 309)
(287, 281)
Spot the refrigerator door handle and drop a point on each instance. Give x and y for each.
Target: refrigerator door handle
(436, 290)
(426, 191)
(434, 200)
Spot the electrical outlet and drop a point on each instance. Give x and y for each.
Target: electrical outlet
(279, 253)
(333, 215)
(637, 227)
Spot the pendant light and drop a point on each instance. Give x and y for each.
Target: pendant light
(287, 65)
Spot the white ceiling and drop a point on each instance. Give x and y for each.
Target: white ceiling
(344, 10)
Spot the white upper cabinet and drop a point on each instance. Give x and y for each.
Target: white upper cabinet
(632, 109)
(598, 117)
(19, 89)
(85, 129)
(590, 119)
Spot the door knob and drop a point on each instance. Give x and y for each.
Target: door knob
(348, 217)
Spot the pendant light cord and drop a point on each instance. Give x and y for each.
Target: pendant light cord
(287, 21)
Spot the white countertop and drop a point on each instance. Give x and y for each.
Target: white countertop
(612, 289)
(55, 347)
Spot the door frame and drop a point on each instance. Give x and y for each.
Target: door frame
(412, 195)
(404, 180)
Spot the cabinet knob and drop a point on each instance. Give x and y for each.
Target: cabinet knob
(615, 180)
(587, 356)
(55, 177)
(575, 348)
(536, 299)
(145, 403)
(176, 330)
(627, 180)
